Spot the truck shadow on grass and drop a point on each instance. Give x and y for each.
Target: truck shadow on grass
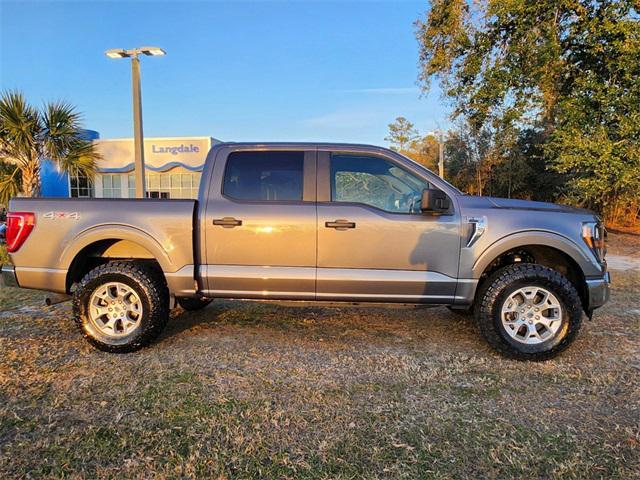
(407, 326)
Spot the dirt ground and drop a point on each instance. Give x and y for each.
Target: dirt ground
(624, 244)
(252, 390)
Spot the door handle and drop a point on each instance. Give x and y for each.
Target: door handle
(227, 222)
(340, 224)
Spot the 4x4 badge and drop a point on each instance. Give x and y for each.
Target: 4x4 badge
(61, 215)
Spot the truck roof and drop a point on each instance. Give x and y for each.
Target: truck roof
(322, 145)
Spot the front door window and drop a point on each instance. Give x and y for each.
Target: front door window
(376, 182)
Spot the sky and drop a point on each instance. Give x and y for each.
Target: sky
(237, 71)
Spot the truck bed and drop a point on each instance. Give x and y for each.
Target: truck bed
(159, 229)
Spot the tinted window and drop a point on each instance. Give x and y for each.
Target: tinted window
(376, 182)
(267, 176)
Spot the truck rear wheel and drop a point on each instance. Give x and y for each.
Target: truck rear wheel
(121, 306)
(528, 312)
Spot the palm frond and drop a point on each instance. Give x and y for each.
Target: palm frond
(80, 158)
(10, 181)
(20, 128)
(61, 129)
(62, 139)
(27, 137)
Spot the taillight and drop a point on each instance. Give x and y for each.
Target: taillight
(19, 226)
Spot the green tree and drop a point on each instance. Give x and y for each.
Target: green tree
(565, 71)
(401, 133)
(424, 150)
(29, 136)
(10, 181)
(597, 136)
(467, 152)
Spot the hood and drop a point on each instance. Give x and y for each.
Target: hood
(513, 204)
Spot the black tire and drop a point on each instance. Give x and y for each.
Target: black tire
(193, 304)
(148, 284)
(495, 291)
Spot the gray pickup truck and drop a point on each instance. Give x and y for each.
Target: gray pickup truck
(315, 222)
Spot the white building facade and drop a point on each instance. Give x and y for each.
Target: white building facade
(173, 167)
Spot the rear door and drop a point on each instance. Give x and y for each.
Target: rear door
(260, 224)
(374, 243)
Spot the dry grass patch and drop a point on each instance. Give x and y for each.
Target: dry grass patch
(249, 390)
(624, 244)
(4, 256)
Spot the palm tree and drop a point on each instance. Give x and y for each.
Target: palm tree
(28, 136)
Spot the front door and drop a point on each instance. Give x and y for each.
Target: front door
(260, 225)
(374, 243)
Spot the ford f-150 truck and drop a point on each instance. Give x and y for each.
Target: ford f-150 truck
(315, 222)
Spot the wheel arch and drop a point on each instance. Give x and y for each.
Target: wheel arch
(539, 239)
(102, 244)
(550, 250)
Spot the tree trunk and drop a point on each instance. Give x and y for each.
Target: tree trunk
(31, 180)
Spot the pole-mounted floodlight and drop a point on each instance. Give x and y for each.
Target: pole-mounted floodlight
(116, 53)
(152, 51)
(138, 136)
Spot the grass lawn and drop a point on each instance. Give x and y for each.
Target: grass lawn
(4, 256)
(249, 390)
(15, 297)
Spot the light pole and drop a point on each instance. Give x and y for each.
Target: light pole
(439, 136)
(138, 137)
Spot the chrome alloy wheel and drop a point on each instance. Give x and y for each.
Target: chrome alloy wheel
(115, 309)
(531, 315)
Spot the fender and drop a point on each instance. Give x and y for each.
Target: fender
(117, 232)
(534, 237)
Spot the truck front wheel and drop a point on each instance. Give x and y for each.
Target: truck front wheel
(528, 312)
(121, 306)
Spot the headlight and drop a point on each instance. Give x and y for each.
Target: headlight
(595, 235)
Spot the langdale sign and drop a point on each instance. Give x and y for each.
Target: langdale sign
(182, 148)
(118, 154)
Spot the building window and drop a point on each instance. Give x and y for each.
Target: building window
(111, 186)
(131, 181)
(171, 184)
(80, 186)
(156, 194)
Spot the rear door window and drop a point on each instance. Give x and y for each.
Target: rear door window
(264, 176)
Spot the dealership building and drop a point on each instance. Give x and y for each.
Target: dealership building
(173, 166)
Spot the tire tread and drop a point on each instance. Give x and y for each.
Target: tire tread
(148, 279)
(491, 289)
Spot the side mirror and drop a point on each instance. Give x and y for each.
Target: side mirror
(434, 201)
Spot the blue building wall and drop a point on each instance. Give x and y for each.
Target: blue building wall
(53, 182)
